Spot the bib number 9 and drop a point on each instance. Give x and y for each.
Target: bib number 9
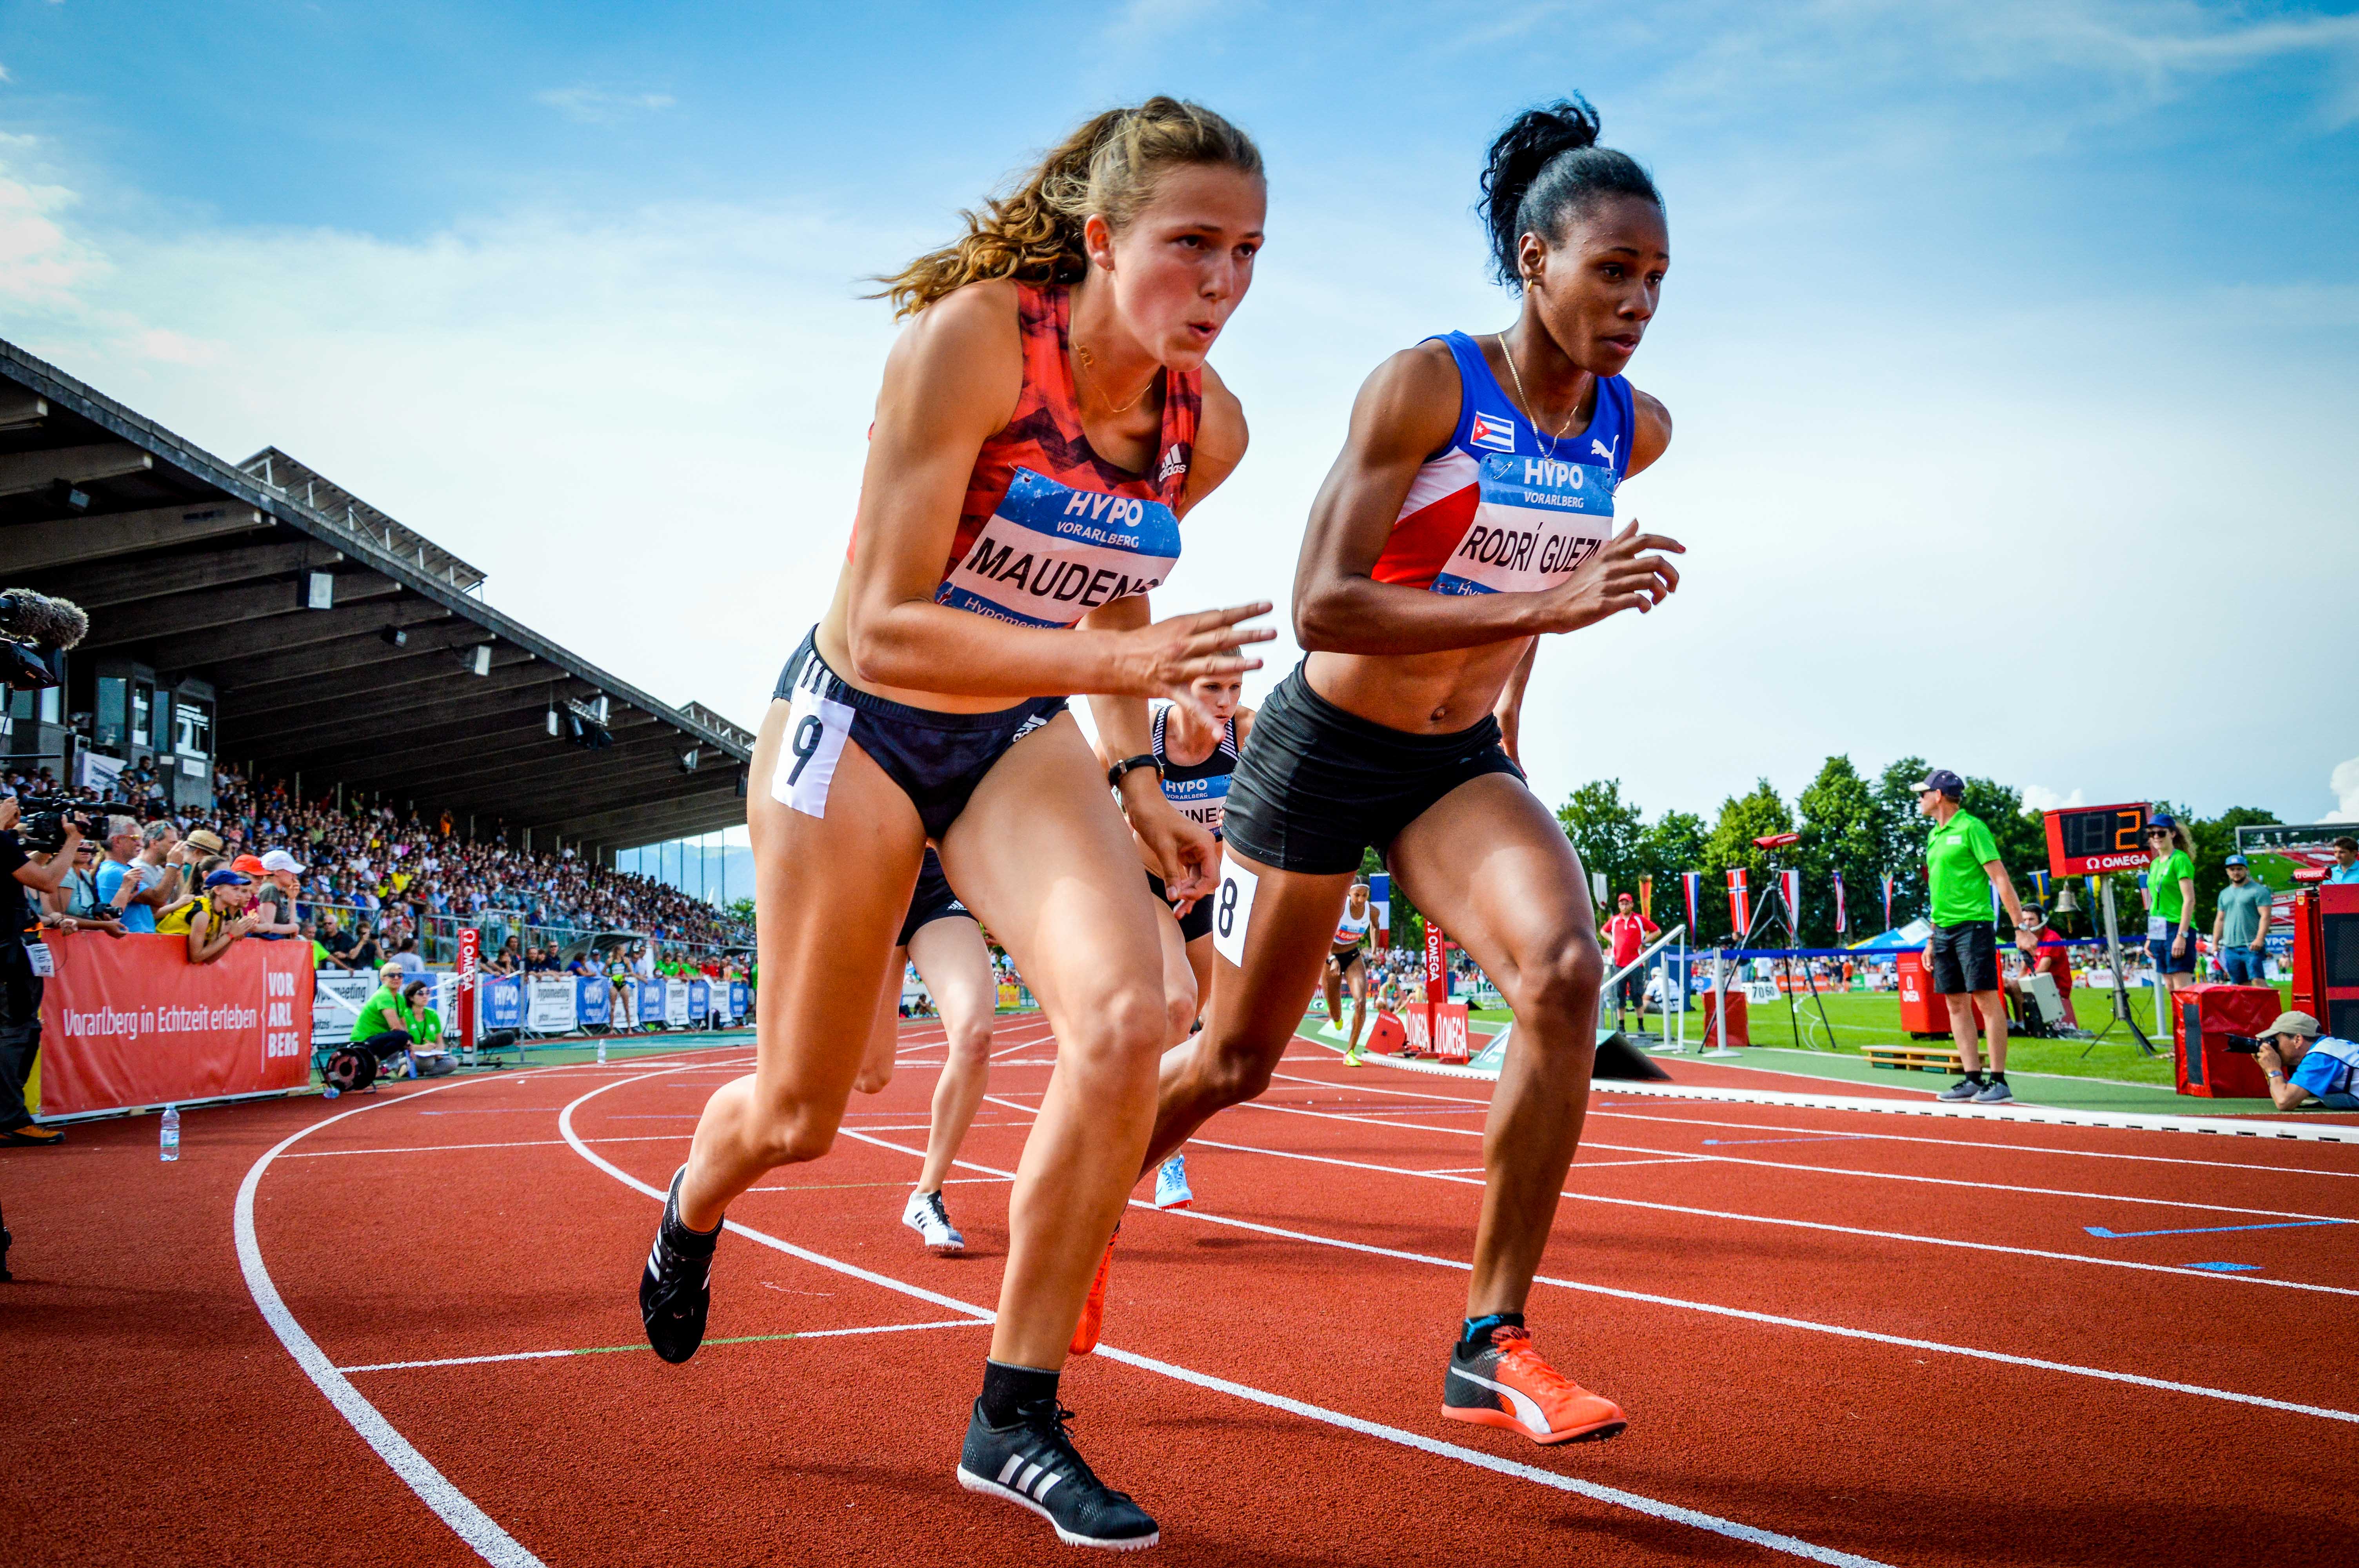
(816, 728)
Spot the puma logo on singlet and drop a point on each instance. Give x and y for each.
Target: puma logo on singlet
(1601, 449)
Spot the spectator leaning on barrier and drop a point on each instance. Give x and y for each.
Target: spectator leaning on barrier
(278, 885)
(128, 886)
(2302, 1065)
(1962, 864)
(2240, 926)
(2346, 860)
(2170, 902)
(214, 919)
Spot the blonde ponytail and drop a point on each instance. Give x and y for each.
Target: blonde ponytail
(1108, 166)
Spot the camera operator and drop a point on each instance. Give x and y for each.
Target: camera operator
(20, 983)
(2303, 1066)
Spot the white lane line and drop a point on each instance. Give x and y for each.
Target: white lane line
(1883, 1138)
(447, 1148)
(1824, 1170)
(611, 1350)
(2175, 1270)
(1789, 1545)
(453, 1507)
(1597, 1089)
(1716, 1310)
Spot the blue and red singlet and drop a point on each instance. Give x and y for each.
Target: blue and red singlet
(1500, 509)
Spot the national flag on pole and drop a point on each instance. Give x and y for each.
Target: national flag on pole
(1790, 888)
(1887, 901)
(1740, 901)
(1691, 884)
(1843, 915)
(1647, 898)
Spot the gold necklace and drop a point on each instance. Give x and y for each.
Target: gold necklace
(1082, 351)
(1525, 398)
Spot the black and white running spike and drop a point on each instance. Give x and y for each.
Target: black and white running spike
(1033, 1464)
(676, 1287)
(925, 1214)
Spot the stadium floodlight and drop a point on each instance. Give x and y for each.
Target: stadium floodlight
(477, 659)
(688, 761)
(555, 728)
(396, 636)
(323, 591)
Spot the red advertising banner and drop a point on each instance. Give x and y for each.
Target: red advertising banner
(470, 942)
(129, 1020)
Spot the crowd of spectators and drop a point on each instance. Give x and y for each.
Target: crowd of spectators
(369, 884)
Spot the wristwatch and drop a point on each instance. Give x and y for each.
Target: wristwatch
(1144, 760)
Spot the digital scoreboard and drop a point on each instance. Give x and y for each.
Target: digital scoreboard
(2086, 839)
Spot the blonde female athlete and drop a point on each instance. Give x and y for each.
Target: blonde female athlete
(1349, 958)
(1045, 420)
(1471, 511)
(941, 937)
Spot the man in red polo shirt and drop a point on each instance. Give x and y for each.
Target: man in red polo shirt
(2051, 957)
(1626, 936)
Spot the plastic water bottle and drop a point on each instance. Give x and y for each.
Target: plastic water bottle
(602, 1050)
(169, 1144)
(329, 1092)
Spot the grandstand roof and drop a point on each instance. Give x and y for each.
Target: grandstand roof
(197, 567)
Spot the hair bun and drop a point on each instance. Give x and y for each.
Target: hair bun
(1526, 152)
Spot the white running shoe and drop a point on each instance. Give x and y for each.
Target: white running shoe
(924, 1213)
(1171, 1184)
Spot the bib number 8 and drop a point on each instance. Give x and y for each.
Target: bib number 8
(1233, 911)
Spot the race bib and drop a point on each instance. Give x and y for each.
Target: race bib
(2158, 929)
(815, 727)
(43, 961)
(1231, 911)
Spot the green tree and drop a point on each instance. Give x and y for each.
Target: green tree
(1840, 833)
(1668, 847)
(1743, 818)
(1900, 834)
(1608, 833)
(2215, 840)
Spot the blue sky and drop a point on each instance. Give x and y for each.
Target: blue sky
(2012, 346)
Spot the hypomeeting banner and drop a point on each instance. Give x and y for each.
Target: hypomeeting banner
(129, 1020)
(338, 996)
(675, 1007)
(549, 1004)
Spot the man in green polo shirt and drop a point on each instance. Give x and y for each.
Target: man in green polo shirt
(1961, 863)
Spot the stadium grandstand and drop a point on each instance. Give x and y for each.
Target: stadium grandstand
(270, 656)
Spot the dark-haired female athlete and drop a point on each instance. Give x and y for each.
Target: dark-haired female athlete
(1471, 511)
(1045, 421)
(1347, 966)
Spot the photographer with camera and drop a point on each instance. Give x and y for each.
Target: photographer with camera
(53, 834)
(2303, 1066)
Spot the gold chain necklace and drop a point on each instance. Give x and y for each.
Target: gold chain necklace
(1548, 450)
(1082, 351)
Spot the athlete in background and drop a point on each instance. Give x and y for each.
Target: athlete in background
(941, 937)
(1045, 419)
(1349, 960)
(1471, 511)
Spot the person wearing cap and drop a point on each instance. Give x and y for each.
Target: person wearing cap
(2303, 1066)
(1626, 933)
(2240, 926)
(279, 879)
(2346, 860)
(2169, 902)
(385, 1027)
(215, 918)
(1962, 865)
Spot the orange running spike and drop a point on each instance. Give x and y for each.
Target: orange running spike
(1085, 1333)
(1510, 1387)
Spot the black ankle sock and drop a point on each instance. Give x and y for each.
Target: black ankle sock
(1476, 1334)
(677, 1234)
(1975, 1077)
(1011, 1393)
(1997, 1077)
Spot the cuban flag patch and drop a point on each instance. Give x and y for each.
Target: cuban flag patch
(1491, 431)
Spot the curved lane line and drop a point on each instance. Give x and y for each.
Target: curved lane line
(1752, 1535)
(453, 1507)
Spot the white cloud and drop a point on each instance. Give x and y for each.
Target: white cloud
(2040, 797)
(595, 106)
(2345, 786)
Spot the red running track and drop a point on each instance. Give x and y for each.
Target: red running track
(1840, 1338)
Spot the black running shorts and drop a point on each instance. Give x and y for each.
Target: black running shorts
(932, 901)
(938, 759)
(1197, 922)
(1316, 786)
(1963, 958)
(1344, 958)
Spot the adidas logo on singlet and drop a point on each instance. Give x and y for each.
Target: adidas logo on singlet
(1175, 462)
